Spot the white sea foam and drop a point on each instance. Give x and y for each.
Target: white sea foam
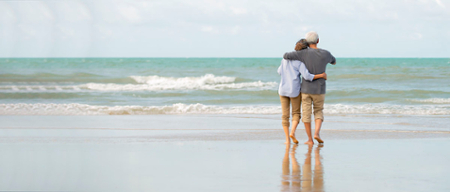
(83, 109)
(182, 86)
(206, 82)
(432, 100)
(154, 83)
(170, 81)
(387, 109)
(179, 108)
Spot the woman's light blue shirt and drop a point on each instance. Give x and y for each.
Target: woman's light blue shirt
(290, 83)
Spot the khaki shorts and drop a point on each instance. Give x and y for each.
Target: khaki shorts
(317, 100)
(286, 102)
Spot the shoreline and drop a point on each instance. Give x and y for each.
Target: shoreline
(167, 128)
(220, 153)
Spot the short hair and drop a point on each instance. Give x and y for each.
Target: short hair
(302, 44)
(312, 37)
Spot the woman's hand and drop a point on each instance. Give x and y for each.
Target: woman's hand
(322, 75)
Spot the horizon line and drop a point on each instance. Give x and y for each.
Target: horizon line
(212, 57)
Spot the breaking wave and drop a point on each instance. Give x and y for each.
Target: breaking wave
(151, 83)
(203, 80)
(83, 109)
(180, 108)
(432, 100)
(181, 86)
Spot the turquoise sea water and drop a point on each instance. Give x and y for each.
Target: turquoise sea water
(146, 86)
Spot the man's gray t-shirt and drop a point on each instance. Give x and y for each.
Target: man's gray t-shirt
(316, 61)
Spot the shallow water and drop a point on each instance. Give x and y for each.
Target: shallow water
(122, 86)
(354, 165)
(222, 153)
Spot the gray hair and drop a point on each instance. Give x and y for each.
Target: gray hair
(312, 37)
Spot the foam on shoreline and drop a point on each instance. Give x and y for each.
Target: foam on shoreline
(180, 108)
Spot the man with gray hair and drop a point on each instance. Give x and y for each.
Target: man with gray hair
(313, 92)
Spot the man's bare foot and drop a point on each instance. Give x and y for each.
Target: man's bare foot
(309, 142)
(294, 139)
(318, 139)
(287, 142)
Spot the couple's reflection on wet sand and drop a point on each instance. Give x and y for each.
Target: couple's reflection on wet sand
(298, 180)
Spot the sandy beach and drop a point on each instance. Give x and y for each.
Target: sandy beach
(171, 96)
(221, 153)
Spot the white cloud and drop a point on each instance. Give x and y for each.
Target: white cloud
(66, 32)
(416, 36)
(104, 32)
(7, 14)
(129, 12)
(28, 32)
(276, 24)
(238, 10)
(208, 29)
(235, 30)
(33, 12)
(72, 11)
(439, 2)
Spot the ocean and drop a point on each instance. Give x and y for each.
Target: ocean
(150, 86)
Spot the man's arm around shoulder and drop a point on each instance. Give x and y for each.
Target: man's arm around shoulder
(291, 55)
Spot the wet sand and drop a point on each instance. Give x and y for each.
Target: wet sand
(221, 153)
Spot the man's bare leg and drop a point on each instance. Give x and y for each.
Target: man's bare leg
(286, 132)
(294, 127)
(307, 171)
(308, 132)
(318, 124)
(318, 170)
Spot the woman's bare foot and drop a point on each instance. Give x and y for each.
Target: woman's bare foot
(318, 139)
(294, 139)
(309, 142)
(287, 141)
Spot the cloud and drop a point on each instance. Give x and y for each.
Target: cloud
(207, 29)
(71, 11)
(264, 27)
(238, 10)
(129, 12)
(33, 12)
(439, 2)
(235, 30)
(416, 36)
(7, 14)
(104, 32)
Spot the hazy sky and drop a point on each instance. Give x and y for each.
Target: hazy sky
(223, 28)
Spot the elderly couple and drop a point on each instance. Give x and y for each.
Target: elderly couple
(310, 62)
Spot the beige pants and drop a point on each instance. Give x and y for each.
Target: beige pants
(317, 101)
(286, 102)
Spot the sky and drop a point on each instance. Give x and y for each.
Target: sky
(222, 28)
